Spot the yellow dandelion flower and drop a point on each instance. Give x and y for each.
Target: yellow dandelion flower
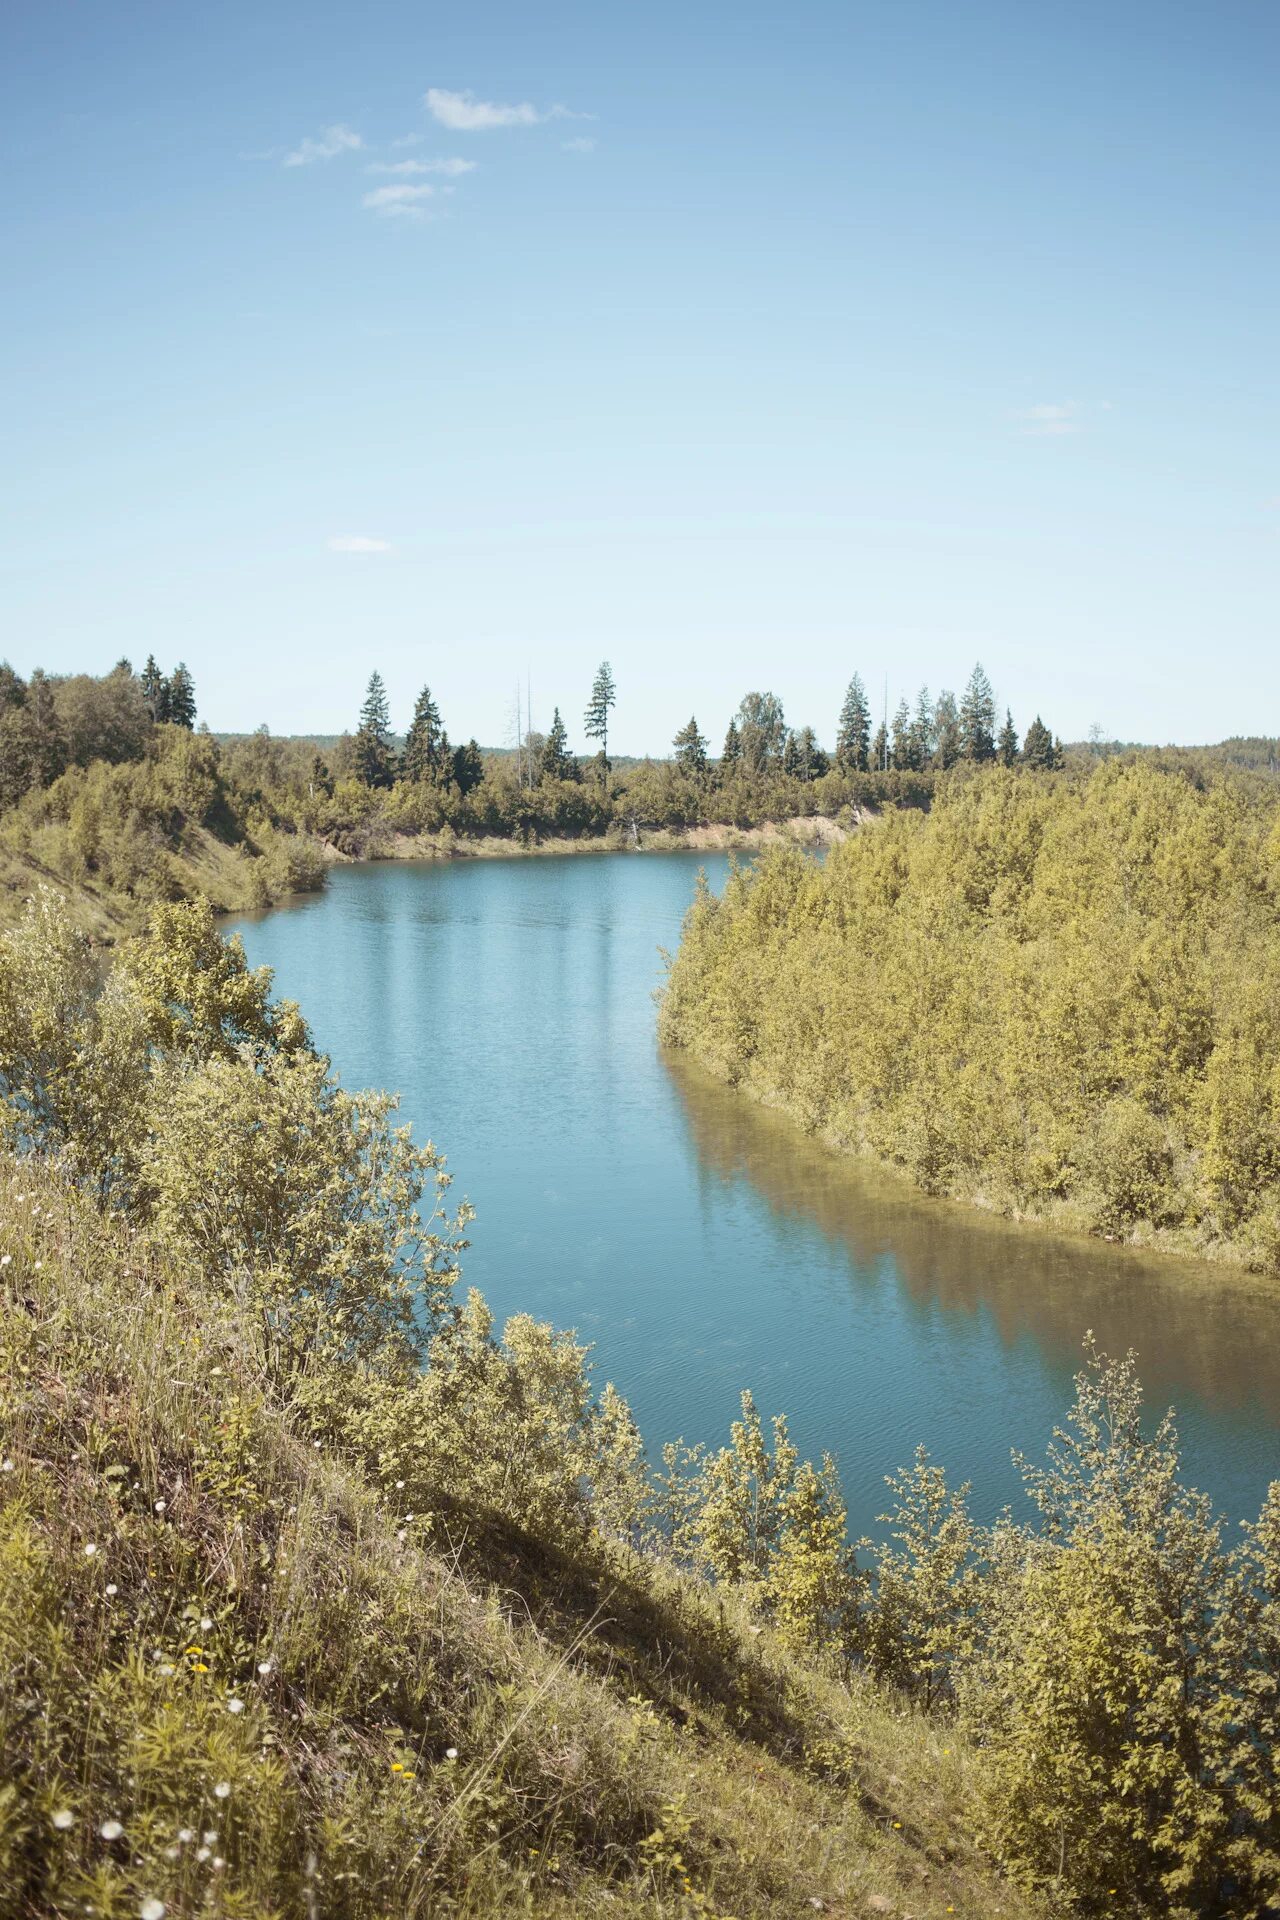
(396, 1767)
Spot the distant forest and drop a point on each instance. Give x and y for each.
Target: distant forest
(111, 787)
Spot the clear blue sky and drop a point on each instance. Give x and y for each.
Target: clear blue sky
(753, 345)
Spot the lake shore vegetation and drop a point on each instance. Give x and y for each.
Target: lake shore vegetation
(318, 1593)
(1055, 997)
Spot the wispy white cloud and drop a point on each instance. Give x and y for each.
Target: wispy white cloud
(582, 144)
(332, 141)
(463, 113)
(409, 140)
(451, 168)
(1050, 418)
(358, 543)
(401, 201)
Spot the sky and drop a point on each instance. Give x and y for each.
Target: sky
(745, 346)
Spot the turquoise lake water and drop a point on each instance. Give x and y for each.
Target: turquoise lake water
(704, 1245)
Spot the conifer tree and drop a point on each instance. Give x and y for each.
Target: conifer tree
(731, 753)
(468, 768)
(182, 698)
(922, 735)
(374, 763)
(425, 745)
(901, 750)
(1039, 749)
(853, 733)
(978, 718)
(155, 689)
(1007, 745)
(46, 742)
(557, 761)
(880, 749)
(810, 759)
(604, 696)
(690, 749)
(946, 731)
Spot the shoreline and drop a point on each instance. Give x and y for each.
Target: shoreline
(1230, 1262)
(810, 832)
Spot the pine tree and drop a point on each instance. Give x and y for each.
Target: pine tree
(731, 753)
(690, 749)
(182, 698)
(425, 745)
(1038, 748)
(468, 768)
(596, 721)
(1007, 745)
(946, 731)
(557, 761)
(155, 689)
(978, 718)
(853, 733)
(374, 763)
(880, 748)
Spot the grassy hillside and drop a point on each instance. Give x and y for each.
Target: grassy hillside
(1057, 997)
(432, 1720)
(116, 838)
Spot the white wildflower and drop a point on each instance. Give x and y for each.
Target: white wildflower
(63, 1819)
(111, 1829)
(151, 1909)
(235, 1706)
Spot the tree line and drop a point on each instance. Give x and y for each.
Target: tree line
(932, 736)
(54, 721)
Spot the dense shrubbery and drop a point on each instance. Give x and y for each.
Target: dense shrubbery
(1112, 1672)
(1056, 997)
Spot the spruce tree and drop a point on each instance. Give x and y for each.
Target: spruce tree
(1037, 748)
(810, 760)
(946, 731)
(690, 749)
(901, 749)
(596, 720)
(371, 748)
(731, 752)
(879, 754)
(425, 746)
(155, 689)
(853, 732)
(1007, 745)
(922, 735)
(182, 698)
(978, 718)
(468, 768)
(557, 761)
